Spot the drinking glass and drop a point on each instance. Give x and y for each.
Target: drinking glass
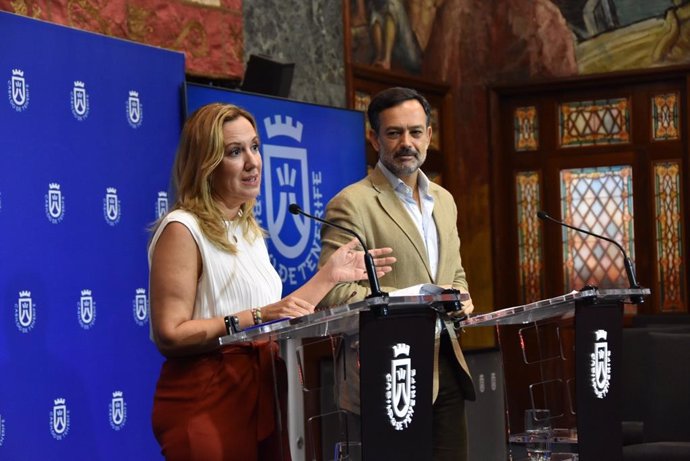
(539, 431)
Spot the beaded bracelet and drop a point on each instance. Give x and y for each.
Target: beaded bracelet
(256, 315)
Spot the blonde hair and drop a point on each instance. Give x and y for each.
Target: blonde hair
(199, 153)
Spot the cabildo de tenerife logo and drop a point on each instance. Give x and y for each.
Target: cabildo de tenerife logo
(161, 204)
(111, 206)
(401, 388)
(140, 306)
(79, 101)
(601, 364)
(287, 179)
(87, 310)
(55, 203)
(118, 411)
(59, 419)
(135, 110)
(2, 430)
(18, 91)
(25, 312)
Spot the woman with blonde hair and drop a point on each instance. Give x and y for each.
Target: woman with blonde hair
(211, 274)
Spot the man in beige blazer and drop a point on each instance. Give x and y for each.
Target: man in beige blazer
(397, 206)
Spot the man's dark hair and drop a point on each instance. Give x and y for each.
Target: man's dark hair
(391, 97)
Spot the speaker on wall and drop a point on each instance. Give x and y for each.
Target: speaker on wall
(265, 76)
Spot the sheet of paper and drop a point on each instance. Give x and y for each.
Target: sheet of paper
(421, 289)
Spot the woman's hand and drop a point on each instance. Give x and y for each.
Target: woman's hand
(290, 306)
(347, 264)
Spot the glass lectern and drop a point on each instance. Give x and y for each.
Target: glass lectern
(361, 385)
(362, 376)
(561, 361)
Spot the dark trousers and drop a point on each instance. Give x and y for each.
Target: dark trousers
(449, 421)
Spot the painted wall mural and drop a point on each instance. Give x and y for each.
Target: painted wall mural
(628, 34)
(392, 34)
(591, 36)
(209, 32)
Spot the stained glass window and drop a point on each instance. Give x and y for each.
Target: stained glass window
(599, 200)
(526, 125)
(669, 239)
(665, 117)
(529, 236)
(588, 123)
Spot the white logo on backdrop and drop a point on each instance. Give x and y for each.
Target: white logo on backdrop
(601, 364)
(111, 206)
(401, 388)
(118, 411)
(290, 168)
(18, 91)
(87, 310)
(79, 100)
(59, 419)
(135, 110)
(55, 203)
(161, 204)
(25, 312)
(2, 430)
(140, 307)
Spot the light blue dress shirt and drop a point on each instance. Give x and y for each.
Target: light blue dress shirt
(423, 217)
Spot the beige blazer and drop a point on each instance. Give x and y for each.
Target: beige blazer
(371, 208)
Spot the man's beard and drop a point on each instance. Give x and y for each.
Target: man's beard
(404, 170)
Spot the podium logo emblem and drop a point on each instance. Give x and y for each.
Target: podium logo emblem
(80, 101)
(59, 419)
(25, 312)
(401, 388)
(135, 111)
(18, 91)
(87, 310)
(140, 307)
(118, 411)
(601, 364)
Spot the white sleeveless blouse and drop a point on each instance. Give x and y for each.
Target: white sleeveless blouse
(229, 283)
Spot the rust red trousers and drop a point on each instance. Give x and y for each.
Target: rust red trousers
(221, 406)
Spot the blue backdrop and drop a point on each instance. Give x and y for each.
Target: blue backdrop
(309, 153)
(88, 131)
(89, 127)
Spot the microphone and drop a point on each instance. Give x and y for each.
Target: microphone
(368, 259)
(629, 269)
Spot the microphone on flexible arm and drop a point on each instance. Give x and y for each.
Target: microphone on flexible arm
(368, 259)
(629, 268)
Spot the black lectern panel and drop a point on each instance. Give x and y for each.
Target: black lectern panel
(396, 362)
(598, 349)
